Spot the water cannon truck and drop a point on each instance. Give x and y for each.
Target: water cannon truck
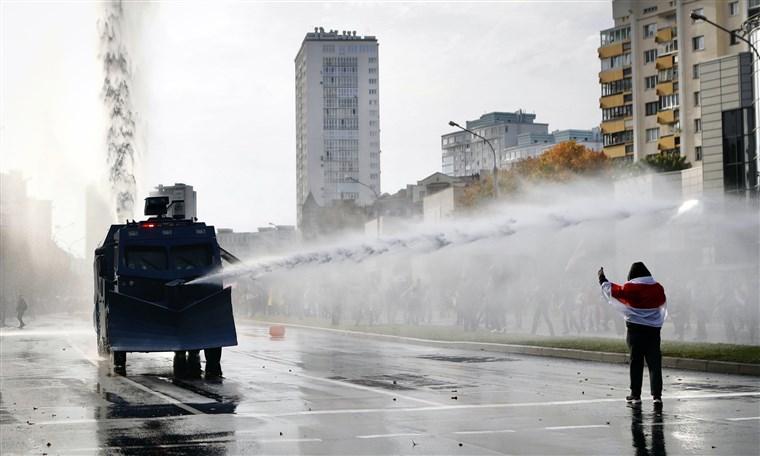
(147, 298)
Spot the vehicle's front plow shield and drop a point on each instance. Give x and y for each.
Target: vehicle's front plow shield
(142, 326)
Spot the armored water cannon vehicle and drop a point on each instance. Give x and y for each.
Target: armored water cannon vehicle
(148, 298)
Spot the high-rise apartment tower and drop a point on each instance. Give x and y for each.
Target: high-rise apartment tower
(337, 119)
(651, 91)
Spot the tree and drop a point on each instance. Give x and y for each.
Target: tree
(660, 163)
(564, 162)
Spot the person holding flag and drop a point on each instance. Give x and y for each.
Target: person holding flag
(642, 302)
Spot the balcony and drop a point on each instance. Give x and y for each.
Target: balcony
(611, 101)
(667, 117)
(610, 75)
(664, 35)
(666, 61)
(610, 50)
(615, 151)
(613, 126)
(669, 142)
(665, 88)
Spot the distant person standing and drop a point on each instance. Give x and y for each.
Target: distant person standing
(3, 309)
(642, 302)
(20, 309)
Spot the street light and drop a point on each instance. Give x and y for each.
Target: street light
(377, 197)
(755, 82)
(698, 17)
(495, 163)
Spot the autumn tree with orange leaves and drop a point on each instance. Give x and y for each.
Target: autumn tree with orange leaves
(563, 163)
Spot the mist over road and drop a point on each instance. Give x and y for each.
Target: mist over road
(321, 392)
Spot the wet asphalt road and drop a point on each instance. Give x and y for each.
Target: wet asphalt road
(317, 392)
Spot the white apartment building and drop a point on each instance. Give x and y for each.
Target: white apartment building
(337, 119)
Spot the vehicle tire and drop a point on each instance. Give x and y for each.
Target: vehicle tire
(119, 359)
(193, 363)
(213, 361)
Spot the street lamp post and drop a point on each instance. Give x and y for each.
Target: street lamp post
(755, 80)
(495, 163)
(377, 197)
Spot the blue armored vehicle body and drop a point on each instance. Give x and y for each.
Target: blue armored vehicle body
(147, 298)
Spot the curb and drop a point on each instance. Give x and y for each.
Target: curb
(702, 365)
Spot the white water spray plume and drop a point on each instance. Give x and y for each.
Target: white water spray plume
(542, 251)
(120, 139)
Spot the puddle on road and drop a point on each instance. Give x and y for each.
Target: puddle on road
(466, 359)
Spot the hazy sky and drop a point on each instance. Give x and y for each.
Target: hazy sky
(214, 90)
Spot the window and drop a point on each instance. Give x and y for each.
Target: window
(651, 108)
(649, 30)
(698, 43)
(145, 257)
(698, 153)
(667, 47)
(734, 38)
(669, 101)
(617, 61)
(651, 82)
(373, 81)
(191, 256)
(650, 55)
(697, 125)
(696, 71)
(733, 9)
(653, 134)
(615, 35)
(699, 11)
(618, 112)
(697, 99)
(615, 87)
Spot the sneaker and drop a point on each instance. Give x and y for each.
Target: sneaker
(633, 399)
(657, 400)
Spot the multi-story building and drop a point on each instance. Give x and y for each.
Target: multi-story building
(651, 60)
(513, 135)
(465, 155)
(337, 120)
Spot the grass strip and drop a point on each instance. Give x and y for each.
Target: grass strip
(749, 354)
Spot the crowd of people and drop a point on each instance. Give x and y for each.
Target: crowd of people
(698, 311)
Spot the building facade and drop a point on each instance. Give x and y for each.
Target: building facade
(465, 155)
(337, 120)
(651, 62)
(513, 135)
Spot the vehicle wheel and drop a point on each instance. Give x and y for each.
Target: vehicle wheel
(180, 364)
(213, 361)
(119, 359)
(193, 363)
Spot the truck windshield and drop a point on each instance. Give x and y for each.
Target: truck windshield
(191, 256)
(145, 257)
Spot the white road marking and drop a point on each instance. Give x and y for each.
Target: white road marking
(504, 431)
(587, 426)
(496, 405)
(744, 419)
(380, 436)
(161, 396)
(286, 440)
(345, 383)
